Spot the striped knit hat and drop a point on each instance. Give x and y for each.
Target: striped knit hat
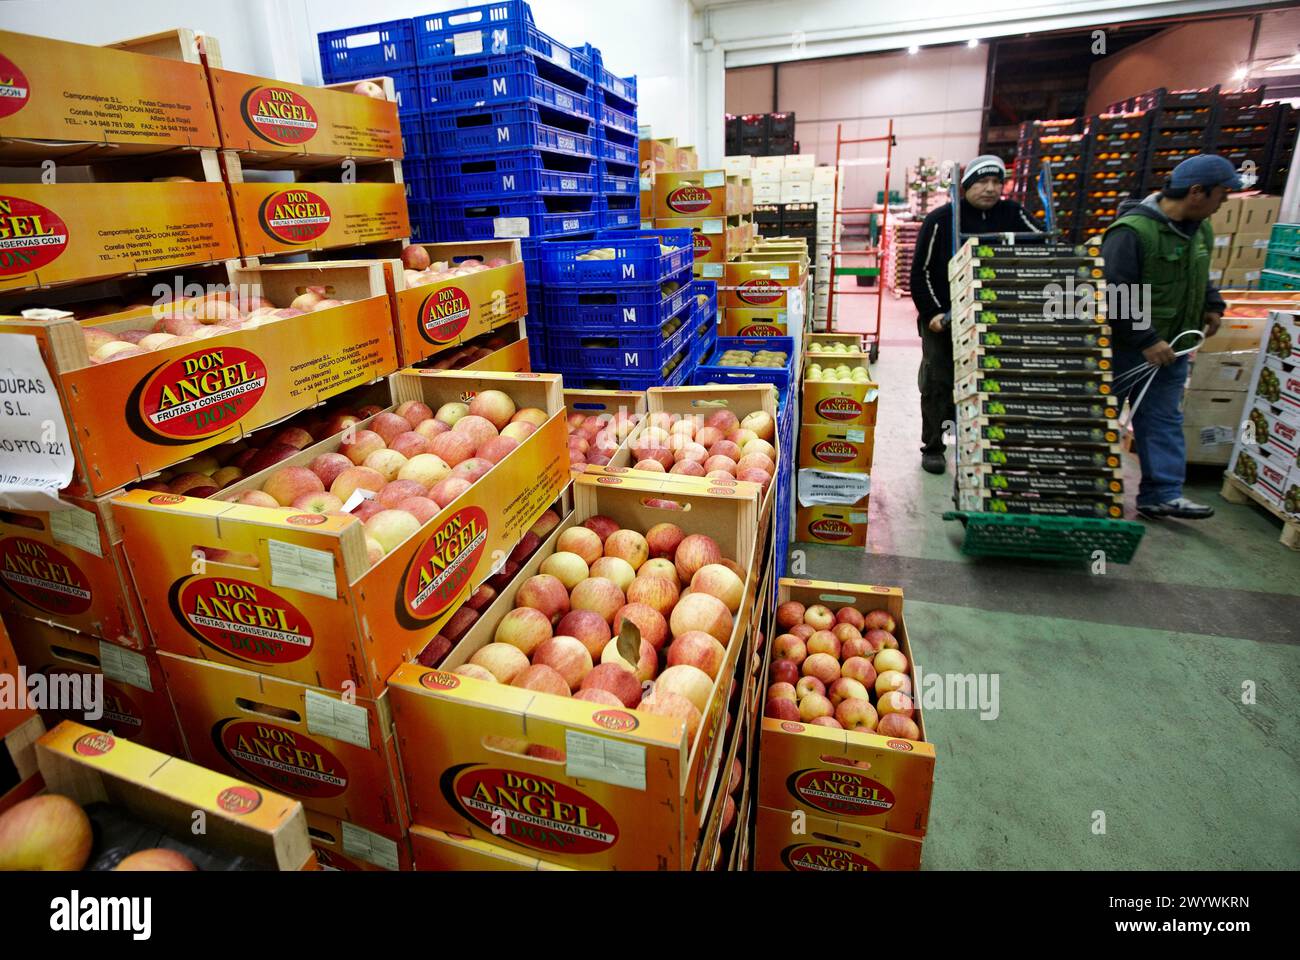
(983, 166)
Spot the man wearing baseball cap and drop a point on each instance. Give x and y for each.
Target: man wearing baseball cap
(983, 211)
(1158, 253)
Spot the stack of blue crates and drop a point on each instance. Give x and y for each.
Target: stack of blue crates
(619, 160)
(504, 127)
(626, 322)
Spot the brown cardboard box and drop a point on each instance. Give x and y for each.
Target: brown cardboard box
(1222, 371)
(1258, 214)
(1211, 422)
(1226, 217)
(1243, 257)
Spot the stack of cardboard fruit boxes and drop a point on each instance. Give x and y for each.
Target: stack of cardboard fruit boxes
(836, 441)
(846, 769)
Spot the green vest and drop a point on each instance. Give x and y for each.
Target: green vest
(1175, 270)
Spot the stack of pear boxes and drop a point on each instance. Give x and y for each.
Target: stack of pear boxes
(138, 201)
(1037, 416)
(836, 441)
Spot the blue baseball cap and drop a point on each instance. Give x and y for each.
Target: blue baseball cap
(1205, 170)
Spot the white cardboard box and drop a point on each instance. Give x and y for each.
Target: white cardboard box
(765, 175)
(796, 191)
(769, 163)
(824, 175)
(767, 193)
(808, 160)
(738, 163)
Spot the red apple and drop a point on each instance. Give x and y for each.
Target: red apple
(700, 611)
(701, 650)
(664, 703)
(567, 656)
(414, 412)
(879, 620)
(479, 429)
(656, 592)
(586, 626)
(898, 725)
(524, 627)
(362, 445)
(650, 622)
(860, 669)
(783, 671)
(502, 660)
(822, 666)
(547, 594)
(448, 490)
(602, 526)
(789, 647)
(616, 679)
(781, 709)
(46, 832)
(582, 541)
(807, 685)
(328, 466)
(598, 594)
(290, 483)
(694, 552)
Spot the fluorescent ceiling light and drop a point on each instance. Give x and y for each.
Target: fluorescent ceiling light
(913, 49)
(972, 42)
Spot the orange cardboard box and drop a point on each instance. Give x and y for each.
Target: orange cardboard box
(135, 702)
(59, 233)
(101, 100)
(824, 845)
(434, 317)
(311, 609)
(12, 716)
(334, 754)
(653, 155)
(852, 340)
(839, 403)
(630, 792)
(755, 322)
(19, 776)
(274, 218)
(837, 525)
(241, 819)
(710, 236)
(68, 566)
(859, 778)
(455, 852)
(693, 193)
(840, 447)
(343, 846)
(594, 403)
(137, 415)
(766, 284)
(270, 120)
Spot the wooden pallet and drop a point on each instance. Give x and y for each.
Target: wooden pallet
(1234, 491)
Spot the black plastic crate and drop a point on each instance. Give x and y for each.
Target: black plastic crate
(1191, 116)
(781, 125)
(1112, 123)
(1246, 114)
(1241, 98)
(1171, 137)
(755, 125)
(1255, 133)
(768, 215)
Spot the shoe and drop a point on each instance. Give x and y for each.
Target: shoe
(934, 462)
(1182, 509)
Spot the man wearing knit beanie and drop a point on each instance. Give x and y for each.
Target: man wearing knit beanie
(983, 211)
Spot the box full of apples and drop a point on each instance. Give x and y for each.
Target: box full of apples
(842, 736)
(189, 374)
(73, 827)
(599, 423)
(589, 704)
(399, 518)
(448, 293)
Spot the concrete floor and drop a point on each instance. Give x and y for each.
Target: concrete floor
(1120, 694)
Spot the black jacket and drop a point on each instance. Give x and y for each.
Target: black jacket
(934, 249)
(1123, 253)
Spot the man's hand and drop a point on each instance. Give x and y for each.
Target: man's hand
(1212, 321)
(936, 323)
(1160, 354)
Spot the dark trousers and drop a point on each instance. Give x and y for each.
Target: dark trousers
(936, 382)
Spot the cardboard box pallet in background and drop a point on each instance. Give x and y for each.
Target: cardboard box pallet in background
(865, 798)
(156, 797)
(572, 783)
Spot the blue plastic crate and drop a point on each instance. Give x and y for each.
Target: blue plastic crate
(637, 260)
(475, 81)
(418, 183)
(498, 129)
(710, 372)
(477, 220)
(367, 51)
(614, 183)
(412, 129)
(624, 88)
(674, 373)
(531, 252)
(706, 337)
(708, 288)
(622, 218)
(616, 308)
(618, 119)
(525, 172)
(492, 28)
(619, 146)
(617, 353)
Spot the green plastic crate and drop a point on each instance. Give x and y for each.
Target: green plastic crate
(1285, 235)
(1277, 280)
(1282, 259)
(1047, 538)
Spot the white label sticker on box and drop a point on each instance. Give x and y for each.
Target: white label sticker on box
(468, 44)
(77, 528)
(854, 435)
(124, 666)
(561, 56)
(609, 761)
(712, 226)
(643, 131)
(1216, 436)
(856, 517)
(35, 449)
(825, 487)
(647, 183)
(716, 179)
(712, 270)
(370, 847)
(302, 568)
(510, 226)
(332, 717)
(780, 272)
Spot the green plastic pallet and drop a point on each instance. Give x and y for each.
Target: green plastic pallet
(1047, 538)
